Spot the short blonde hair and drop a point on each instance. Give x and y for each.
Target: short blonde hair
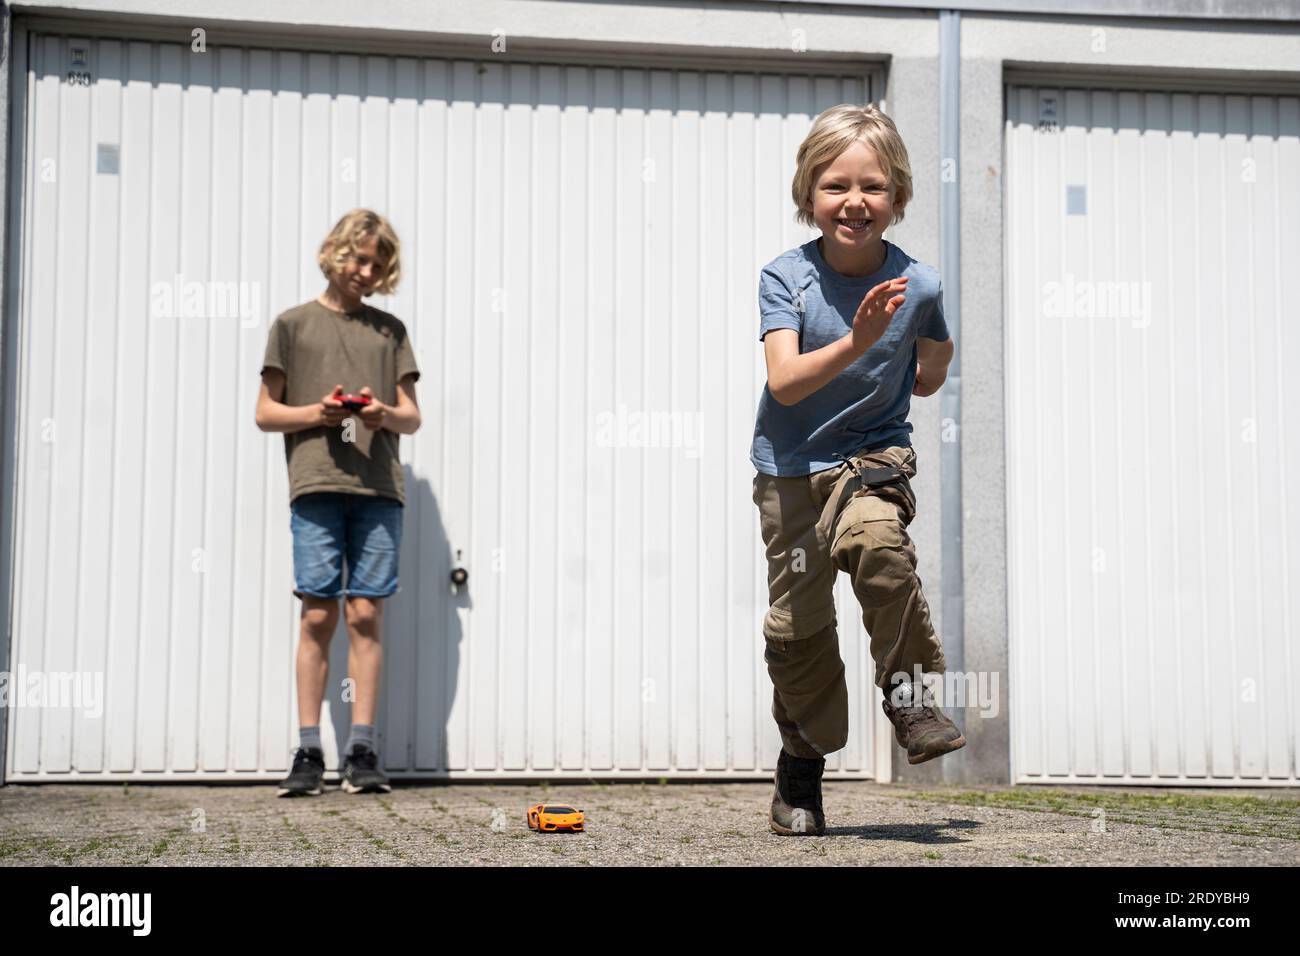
(349, 233)
(834, 131)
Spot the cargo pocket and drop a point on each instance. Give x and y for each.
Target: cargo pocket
(873, 519)
(895, 489)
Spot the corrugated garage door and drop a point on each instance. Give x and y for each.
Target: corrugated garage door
(1152, 445)
(582, 245)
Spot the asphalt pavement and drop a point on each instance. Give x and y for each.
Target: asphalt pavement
(644, 824)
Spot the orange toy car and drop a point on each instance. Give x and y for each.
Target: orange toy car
(553, 817)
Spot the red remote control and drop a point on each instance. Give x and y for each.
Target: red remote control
(355, 402)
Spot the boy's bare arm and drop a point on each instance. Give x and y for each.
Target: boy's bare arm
(274, 416)
(932, 360)
(792, 377)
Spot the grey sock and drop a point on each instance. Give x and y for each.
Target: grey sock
(361, 734)
(309, 737)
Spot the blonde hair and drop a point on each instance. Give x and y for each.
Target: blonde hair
(349, 233)
(834, 131)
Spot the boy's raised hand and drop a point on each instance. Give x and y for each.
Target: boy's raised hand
(372, 415)
(877, 311)
(331, 411)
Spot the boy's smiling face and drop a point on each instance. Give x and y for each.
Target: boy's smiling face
(361, 271)
(852, 203)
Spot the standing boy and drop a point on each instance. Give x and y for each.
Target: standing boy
(851, 327)
(346, 488)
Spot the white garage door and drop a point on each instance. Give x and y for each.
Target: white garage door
(582, 245)
(1153, 454)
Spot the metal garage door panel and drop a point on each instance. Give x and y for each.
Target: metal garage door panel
(581, 250)
(1151, 250)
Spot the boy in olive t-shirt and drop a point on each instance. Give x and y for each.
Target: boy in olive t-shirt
(346, 488)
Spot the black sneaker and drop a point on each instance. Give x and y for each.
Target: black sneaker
(797, 802)
(361, 773)
(306, 776)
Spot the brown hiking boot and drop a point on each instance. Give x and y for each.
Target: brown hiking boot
(797, 802)
(924, 730)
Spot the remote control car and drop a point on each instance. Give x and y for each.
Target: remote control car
(554, 817)
(354, 402)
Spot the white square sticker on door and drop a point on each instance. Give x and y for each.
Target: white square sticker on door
(106, 158)
(1076, 200)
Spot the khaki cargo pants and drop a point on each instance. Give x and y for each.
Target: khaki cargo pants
(853, 519)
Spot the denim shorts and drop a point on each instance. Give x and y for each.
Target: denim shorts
(327, 526)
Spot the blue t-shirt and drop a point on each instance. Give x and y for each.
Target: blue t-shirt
(866, 405)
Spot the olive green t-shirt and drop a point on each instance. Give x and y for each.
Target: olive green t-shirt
(318, 348)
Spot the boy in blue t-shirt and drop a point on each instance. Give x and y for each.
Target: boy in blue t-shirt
(851, 327)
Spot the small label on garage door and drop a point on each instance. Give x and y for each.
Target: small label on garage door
(78, 63)
(1047, 119)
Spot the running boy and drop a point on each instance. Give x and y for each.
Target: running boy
(851, 327)
(346, 489)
